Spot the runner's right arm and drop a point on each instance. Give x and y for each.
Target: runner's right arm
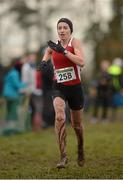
(47, 54)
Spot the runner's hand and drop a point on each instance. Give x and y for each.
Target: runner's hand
(56, 47)
(42, 66)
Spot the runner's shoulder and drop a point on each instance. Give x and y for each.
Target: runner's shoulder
(75, 41)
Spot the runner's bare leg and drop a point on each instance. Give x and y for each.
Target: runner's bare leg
(60, 129)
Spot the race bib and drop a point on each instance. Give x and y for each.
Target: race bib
(65, 74)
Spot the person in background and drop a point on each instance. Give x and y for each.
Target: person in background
(12, 89)
(31, 77)
(103, 93)
(48, 113)
(48, 109)
(67, 59)
(116, 74)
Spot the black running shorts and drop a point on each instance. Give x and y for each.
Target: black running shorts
(72, 94)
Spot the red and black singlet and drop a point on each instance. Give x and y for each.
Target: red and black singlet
(66, 72)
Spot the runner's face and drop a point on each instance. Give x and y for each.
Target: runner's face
(63, 30)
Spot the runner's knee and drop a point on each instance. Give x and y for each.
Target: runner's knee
(60, 115)
(77, 125)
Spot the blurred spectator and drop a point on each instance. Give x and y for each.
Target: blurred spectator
(48, 109)
(103, 93)
(30, 76)
(117, 100)
(48, 113)
(12, 90)
(18, 65)
(116, 74)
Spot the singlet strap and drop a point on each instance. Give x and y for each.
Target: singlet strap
(70, 42)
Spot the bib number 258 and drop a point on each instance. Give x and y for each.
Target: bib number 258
(66, 74)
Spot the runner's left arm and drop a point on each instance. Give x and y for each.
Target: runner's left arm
(77, 58)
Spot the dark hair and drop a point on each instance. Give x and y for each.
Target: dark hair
(66, 21)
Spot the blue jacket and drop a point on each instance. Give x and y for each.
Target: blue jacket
(12, 84)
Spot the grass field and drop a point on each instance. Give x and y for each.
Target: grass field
(34, 155)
